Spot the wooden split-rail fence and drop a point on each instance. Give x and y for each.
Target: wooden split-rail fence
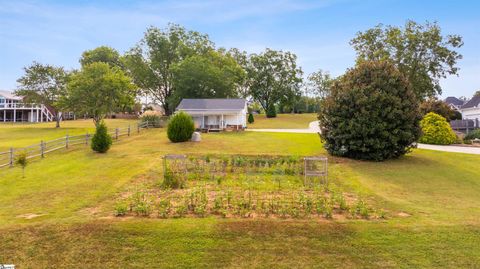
(7, 158)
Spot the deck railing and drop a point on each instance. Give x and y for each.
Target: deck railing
(20, 106)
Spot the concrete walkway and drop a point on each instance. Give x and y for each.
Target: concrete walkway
(313, 128)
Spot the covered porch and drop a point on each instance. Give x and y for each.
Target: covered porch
(216, 122)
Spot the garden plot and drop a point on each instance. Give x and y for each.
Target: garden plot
(242, 186)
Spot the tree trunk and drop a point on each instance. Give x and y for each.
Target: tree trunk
(58, 118)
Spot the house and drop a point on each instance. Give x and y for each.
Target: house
(454, 102)
(13, 109)
(471, 110)
(216, 114)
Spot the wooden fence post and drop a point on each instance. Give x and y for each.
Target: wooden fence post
(11, 157)
(138, 128)
(42, 149)
(116, 133)
(86, 139)
(66, 141)
(128, 130)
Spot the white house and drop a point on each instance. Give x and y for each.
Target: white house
(471, 110)
(13, 109)
(216, 114)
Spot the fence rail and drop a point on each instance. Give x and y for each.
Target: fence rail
(7, 158)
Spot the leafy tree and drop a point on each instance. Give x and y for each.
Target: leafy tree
(243, 60)
(212, 75)
(274, 76)
(420, 52)
(99, 89)
(102, 54)
(436, 130)
(439, 107)
(101, 140)
(251, 119)
(319, 83)
(180, 127)
(151, 61)
(371, 113)
(44, 84)
(477, 93)
(22, 160)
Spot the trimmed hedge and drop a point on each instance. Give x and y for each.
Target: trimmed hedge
(436, 130)
(180, 128)
(101, 140)
(371, 113)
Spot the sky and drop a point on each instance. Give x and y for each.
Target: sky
(318, 32)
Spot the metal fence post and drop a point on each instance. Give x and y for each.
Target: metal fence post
(11, 157)
(42, 149)
(116, 133)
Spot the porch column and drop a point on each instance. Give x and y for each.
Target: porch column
(36, 119)
(14, 115)
(221, 123)
(31, 115)
(203, 120)
(5, 115)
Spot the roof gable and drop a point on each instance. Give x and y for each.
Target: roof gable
(454, 101)
(474, 102)
(9, 95)
(212, 104)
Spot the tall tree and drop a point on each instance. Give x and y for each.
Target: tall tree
(212, 75)
(274, 76)
(99, 89)
(319, 83)
(439, 107)
(150, 62)
(420, 52)
(243, 60)
(44, 84)
(102, 54)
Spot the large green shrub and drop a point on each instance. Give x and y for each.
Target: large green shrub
(101, 140)
(180, 127)
(436, 130)
(271, 111)
(370, 113)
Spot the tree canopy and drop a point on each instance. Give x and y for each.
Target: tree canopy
(102, 54)
(44, 84)
(319, 83)
(274, 76)
(419, 51)
(211, 75)
(151, 61)
(98, 89)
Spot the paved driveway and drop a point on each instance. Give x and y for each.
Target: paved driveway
(313, 128)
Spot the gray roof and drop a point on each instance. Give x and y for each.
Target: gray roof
(474, 102)
(9, 95)
(217, 104)
(454, 101)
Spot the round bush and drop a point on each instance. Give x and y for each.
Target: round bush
(436, 130)
(271, 111)
(101, 140)
(180, 128)
(250, 118)
(371, 113)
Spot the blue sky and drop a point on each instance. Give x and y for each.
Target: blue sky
(57, 32)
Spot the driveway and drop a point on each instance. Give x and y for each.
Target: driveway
(313, 128)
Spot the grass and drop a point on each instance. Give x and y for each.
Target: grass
(283, 121)
(437, 193)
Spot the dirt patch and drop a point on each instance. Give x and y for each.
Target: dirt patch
(29, 216)
(404, 214)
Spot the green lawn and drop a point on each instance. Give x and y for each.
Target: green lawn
(437, 193)
(283, 121)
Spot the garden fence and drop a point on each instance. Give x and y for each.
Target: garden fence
(7, 158)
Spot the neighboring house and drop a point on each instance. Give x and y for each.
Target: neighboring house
(454, 102)
(216, 114)
(471, 110)
(13, 109)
